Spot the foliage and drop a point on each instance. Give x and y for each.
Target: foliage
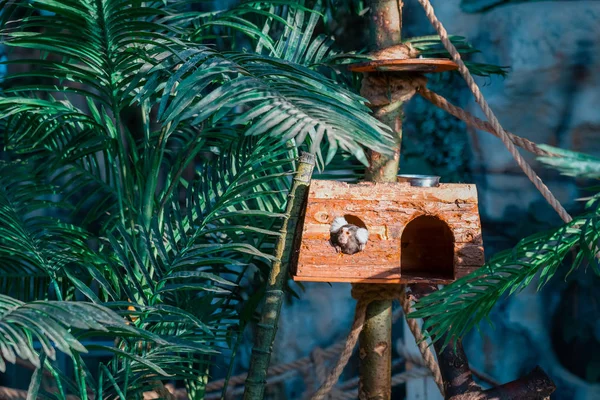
(48, 322)
(432, 47)
(572, 163)
(457, 308)
(147, 158)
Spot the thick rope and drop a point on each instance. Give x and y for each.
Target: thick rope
(317, 356)
(280, 372)
(357, 325)
(300, 364)
(366, 294)
(472, 120)
(495, 124)
(424, 348)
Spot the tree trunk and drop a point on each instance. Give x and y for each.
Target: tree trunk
(375, 346)
(267, 327)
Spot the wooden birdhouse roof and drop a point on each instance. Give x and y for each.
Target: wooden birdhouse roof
(416, 234)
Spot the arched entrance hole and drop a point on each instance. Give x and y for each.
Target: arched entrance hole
(354, 220)
(427, 249)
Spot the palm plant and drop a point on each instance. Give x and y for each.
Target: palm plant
(155, 230)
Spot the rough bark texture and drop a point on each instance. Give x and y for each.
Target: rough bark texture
(385, 17)
(385, 27)
(390, 88)
(407, 233)
(267, 327)
(374, 352)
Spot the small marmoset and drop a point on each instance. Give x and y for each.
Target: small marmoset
(347, 238)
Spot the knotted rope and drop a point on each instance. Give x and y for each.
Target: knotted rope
(489, 114)
(300, 364)
(365, 294)
(424, 348)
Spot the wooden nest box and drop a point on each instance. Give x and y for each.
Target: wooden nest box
(416, 234)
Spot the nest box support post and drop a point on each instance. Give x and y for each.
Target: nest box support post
(385, 25)
(267, 326)
(375, 342)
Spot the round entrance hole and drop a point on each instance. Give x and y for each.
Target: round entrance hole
(354, 220)
(427, 245)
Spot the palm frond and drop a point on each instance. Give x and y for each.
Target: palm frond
(230, 215)
(299, 44)
(572, 163)
(92, 49)
(35, 243)
(342, 167)
(432, 47)
(75, 146)
(279, 29)
(259, 22)
(279, 99)
(49, 323)
(94, 43)
(453, 311)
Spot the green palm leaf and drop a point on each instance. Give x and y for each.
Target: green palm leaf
(282, 99)
(50, 323)
(451, 312)
(33, 243)
(572, 163)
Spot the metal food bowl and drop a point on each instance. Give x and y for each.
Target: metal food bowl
(420, 180)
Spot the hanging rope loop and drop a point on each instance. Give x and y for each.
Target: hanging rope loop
(365, 294)
(489, 114)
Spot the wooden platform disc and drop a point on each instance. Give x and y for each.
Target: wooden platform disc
(423, 65)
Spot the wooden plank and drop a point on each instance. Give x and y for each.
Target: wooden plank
(324, 211)
(367, 271)
(468, 254)
(401, 191)
(378, 252)
(390, 232)
(385, 253)
(412, 279)
(386, 209)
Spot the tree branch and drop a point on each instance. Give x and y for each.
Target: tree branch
(458, 378)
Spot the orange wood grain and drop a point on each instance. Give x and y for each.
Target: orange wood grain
(386, 209)
(423, 65)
